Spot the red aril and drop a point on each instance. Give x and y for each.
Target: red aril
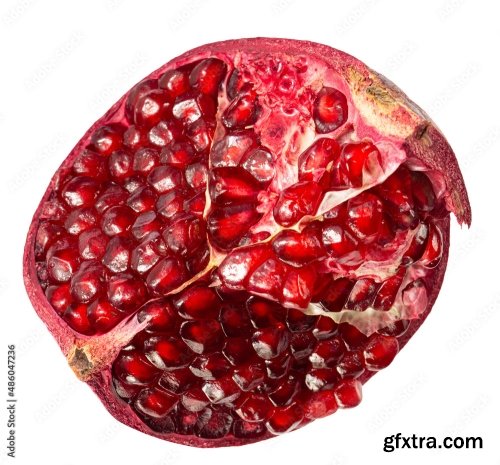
(243, 240)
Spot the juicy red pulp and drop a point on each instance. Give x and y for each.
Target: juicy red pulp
(183, 212)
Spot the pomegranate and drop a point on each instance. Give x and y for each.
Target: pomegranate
(243, 240)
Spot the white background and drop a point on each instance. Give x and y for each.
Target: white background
(64, 63)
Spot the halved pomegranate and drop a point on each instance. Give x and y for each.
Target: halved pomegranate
(243, 240)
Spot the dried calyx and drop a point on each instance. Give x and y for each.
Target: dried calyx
(245, 238)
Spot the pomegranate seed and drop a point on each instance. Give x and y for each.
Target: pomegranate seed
(87, 283)
(277, 368)
(197, 176)
(264, 313)
(351, 365)
(255, 408)
(386, 294)
(302, 345)
(321, 378)
(151, 107)
(364, 216)
(160, 315)
(155, 402)
(324, 328)
(313, 162)
(103, 316)
(260, 164)
(198, 302)
(297, 201)
(335, 296)
(207, 75)
(91, 164)
(133, 368)
(415, 297)
(170, 204)
(297, 321)
(76, 316)
(134, 137)
(191, 107)
(107, 139)
(398, 328)
(298, 286)
(136, 93)
(80, 191)
(268, 343)
(230, 150)
(145, 224)
(200, 133)
(174, 81)
(221, 391)
(59, 297)
(227, 225)
(210, 366)
(133, 184)
(79, 221)
(177, 380)
(327, 353)
(249, 376)
(185, 235)
(201, 336)
(126, 292)
(242, 112)
(285, 419)
(286, 392)
(433, 251)
(167, 353)
(362, 294)
(329, 110)
(320, 404)
(163, 133)
(417, 245)
(117, 220)
(359, 163)
(352, 336)
(213, 424)
(166, 178)
(92, 244)
(228, 185)
(243, 429)
(178, 154)
(348, 393)
(196, 205)
(234, 321)
(235, 84)
(237, 350)
(62, 264)
(145, 160)
(117, 255)
(194, 400)
(266, 279)
(380, 352)
(298, 248)
(46, 235)
(120, 165)
(166, 275)
(423, 192)
(114, 195)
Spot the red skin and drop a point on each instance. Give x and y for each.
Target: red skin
(423, 141)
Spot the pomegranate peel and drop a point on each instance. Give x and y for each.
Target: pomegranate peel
(243, 240)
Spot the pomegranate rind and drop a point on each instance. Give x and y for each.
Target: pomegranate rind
(380, 103)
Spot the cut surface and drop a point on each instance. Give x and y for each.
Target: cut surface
(243, 240)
